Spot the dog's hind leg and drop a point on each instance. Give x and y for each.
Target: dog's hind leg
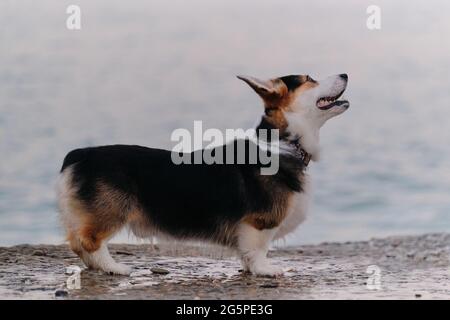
(88, 230)
(95, 254)
(90, 244)
(253, 245)
(102, 260)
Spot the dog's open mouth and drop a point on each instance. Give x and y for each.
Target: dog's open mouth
(326, 103)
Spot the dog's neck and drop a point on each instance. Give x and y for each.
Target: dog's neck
(298, 151)
(297, 135)
(308, 134)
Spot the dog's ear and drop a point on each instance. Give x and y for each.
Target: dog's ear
(268, 90)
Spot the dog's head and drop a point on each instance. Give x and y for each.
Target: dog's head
(300, 95)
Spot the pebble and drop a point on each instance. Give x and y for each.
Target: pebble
(157, 270)
(125, 253)
(61, 293)
(38, 253)
(270, 285)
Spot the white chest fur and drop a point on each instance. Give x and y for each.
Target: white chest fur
(297, 210)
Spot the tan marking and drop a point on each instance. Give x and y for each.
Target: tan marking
(92, 236)
(74, 243)
(270, 220)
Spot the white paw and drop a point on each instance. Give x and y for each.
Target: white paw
(118, 268)
(266, 270)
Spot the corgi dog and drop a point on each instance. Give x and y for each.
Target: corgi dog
(104, 189)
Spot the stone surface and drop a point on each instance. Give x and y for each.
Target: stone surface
(415, 267)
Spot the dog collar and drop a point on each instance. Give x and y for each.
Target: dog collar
(304, 156)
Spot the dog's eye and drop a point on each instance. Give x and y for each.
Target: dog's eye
(309, 79)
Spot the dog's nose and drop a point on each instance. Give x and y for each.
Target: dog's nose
(344, 76)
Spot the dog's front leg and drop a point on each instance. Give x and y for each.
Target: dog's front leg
(253, 245)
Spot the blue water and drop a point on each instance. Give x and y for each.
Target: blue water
(138, 70)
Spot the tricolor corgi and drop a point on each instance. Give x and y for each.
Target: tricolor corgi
(103, 189)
